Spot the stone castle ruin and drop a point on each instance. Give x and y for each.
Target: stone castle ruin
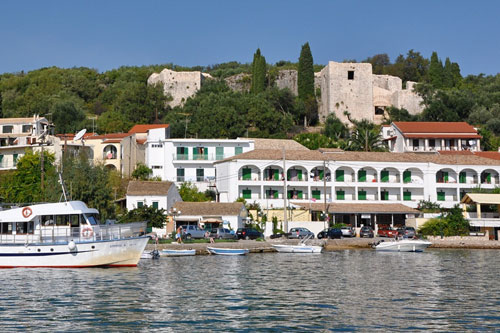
(344, 87)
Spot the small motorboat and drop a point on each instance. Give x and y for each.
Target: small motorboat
(150, 254)
(177, 253)
(301, 248)
(403, 245)
(227, 252)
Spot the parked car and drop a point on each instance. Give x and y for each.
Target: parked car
(348, 232)
(330, 233)
(407, 232)
(222, 233)
(386, 231)
(299, 233)
(248, 233)
(366, 231)
(192, 231)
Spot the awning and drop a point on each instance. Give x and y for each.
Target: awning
(360, 208)
(481, 198)
(211, 220)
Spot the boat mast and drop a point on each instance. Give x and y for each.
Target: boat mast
(285, 220)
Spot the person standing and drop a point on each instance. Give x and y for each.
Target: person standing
(178, 235)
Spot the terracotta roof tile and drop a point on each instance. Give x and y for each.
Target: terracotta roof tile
(140, 187)
(108, 136)
(489, 154)
(407, 127)
(277, 144)
(337, 207)
(209, 208)
(144, 128)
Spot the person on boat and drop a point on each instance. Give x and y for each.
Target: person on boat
(178, 235)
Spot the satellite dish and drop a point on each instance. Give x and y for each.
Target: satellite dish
(80, 134)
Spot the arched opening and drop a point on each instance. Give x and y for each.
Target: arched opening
(110, 152)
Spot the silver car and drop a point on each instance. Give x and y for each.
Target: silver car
(348, 232)
(300, 233)
(222, 233)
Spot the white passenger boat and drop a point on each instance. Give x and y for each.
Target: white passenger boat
(67, 234)
(301, 248)
(177, 253)
(226, 251)
(403, 245)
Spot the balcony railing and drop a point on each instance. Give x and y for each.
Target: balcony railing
(200, 157)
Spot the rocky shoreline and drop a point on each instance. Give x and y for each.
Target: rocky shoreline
(329, 245)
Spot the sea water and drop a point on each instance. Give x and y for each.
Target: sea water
(355, 290)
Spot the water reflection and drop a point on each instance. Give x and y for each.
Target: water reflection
(450, 290)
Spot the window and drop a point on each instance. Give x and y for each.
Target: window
(407, 196)
(361, 195)
(24, 227)
(62, 220)
(140, 204)
(200, 175)
(316, 194)
(47, 220)
(441, 196)
(350, 75)
(247, 194)
(362, 176)
(180, 175)
(219, 153)
(156, 167)
(379, 110)
(384, 176)
(1, 158)
(340, 195)
(384, 195)
(182, 153)
(155, 204)
(15, 158)
(295, 194)
(7, 129)
(93, 219)
(462, 177)
(432, 143)
(415, 143)
(156, 145)
(6, 228)
(339, 175)
(407, 176)
(238, 150)
(247, 174)
(26, 128)
(110, 152)
(200, 153)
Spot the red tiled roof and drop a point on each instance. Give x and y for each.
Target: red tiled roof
(443, 136)
(108, 136)
(141, 141)
(70, 136)
(146, 128)
(455, 152)
(428, 127)
(489, 154)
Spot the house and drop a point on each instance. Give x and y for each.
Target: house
(272, 179)
(481, 221)
(192, 160)
(160, 195)
(209, 215)
(425, 137)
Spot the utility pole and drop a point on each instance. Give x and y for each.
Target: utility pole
(324, 195)
(285, 220)
(42, 173)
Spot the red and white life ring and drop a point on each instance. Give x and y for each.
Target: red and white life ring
(87, 232)
(26, 212)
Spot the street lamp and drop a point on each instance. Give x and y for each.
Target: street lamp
(174, 213)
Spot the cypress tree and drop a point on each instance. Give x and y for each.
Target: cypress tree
(305, 75)
(448, 74)
(436, 71)
(258, 73)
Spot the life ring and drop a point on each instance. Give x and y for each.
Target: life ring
(87, 232)
(27, 212)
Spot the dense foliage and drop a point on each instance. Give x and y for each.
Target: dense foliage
(189, 192)
(452, 223)
(155, 217)
(258, 73)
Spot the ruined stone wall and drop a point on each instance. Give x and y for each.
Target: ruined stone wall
(239, 82)
(179, 85)
(387, 82)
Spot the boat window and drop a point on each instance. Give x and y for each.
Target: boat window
(93, 219)
(74, 220)
(6, 228)
(47, 220)
(24, 227)
(62, 220)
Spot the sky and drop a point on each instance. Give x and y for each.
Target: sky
(107, 34)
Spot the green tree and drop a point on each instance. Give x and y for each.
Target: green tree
(436, 71)
(67, 116)
(154, 216)
(452, 223)
(315, 141)
(258, 73)
(305, 75)
(142, 172)
(189, 192)
(335, 128)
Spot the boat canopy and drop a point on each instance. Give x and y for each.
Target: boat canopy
(28, 213)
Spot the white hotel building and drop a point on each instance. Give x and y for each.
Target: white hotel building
(353, 177)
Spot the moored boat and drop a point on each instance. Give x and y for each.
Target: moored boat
(177, 253)
(227, 251)
(403, 245)
(301, 248)
(150, 254)
(67, 234)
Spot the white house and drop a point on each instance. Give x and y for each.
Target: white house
(404, 136)
(192, 160)
(161, 195)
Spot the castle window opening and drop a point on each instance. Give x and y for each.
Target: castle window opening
(350, 75)
(379, 110)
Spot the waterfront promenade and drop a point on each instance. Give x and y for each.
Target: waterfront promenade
(330, 245)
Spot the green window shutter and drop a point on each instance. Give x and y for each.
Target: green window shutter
(140, 204)
(462, 176)
(219, 153)
(316, 194)
(340, 195)
(362, 176)
(384, 176)
(407, 176)
(247, 194)
(445, 176)
(289, 194)
(15, 157)
(339, 175)
(462, 194)
(205, 153)
(195, 153)
(1, 158)
(361, 195)
(288, 175)
(276, 174)
(407, 196)
(300, 194)
(440, 196)
(155, 204)
(384, 195)
(200, 175)
(299, 174)
(275, 194)
(238, 150)
(268, 193)
(321, 174)
(488, 178)
(247, 174)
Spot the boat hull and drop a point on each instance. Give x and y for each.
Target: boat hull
(403, 246)
(227, 252)
(111, 253)
(297, 248)
(177, 253)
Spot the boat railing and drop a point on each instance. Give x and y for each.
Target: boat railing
(63, 234)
